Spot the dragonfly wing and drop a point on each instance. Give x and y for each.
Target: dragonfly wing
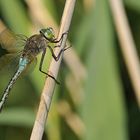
(9, 61)
(12, 42)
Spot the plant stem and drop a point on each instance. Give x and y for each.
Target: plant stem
(47, 93)
(127, 45)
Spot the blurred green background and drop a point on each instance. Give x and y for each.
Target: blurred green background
(95, 100)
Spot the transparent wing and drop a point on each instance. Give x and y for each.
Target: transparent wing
(9, 61)
(12, 42)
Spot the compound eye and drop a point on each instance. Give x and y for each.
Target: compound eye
(48, 33)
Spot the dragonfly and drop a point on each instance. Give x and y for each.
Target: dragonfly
(31, 47)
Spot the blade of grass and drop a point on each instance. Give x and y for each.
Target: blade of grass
(103, 110)
(15, 15)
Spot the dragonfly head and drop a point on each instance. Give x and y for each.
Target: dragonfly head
(48, 33)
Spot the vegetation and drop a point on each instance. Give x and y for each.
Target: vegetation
(96, 99)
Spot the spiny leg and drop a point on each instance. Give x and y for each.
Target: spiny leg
(58, 56)
(61, 38)
(54, 56)
(40, 67)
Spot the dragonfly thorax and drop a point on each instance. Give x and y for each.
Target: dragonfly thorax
(34, 45)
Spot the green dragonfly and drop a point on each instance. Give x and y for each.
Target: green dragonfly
(31, 47)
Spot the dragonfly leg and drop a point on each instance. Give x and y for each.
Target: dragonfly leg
(40, 67)
(58, 56)
(61, 39)
(57, 46)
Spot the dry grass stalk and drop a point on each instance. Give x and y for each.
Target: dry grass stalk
(48, 89)
(127, 44)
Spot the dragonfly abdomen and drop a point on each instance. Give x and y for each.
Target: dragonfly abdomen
(22, 66)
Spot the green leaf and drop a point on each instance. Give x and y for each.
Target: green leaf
(14, 14)
(133, 4)
(103, 112)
